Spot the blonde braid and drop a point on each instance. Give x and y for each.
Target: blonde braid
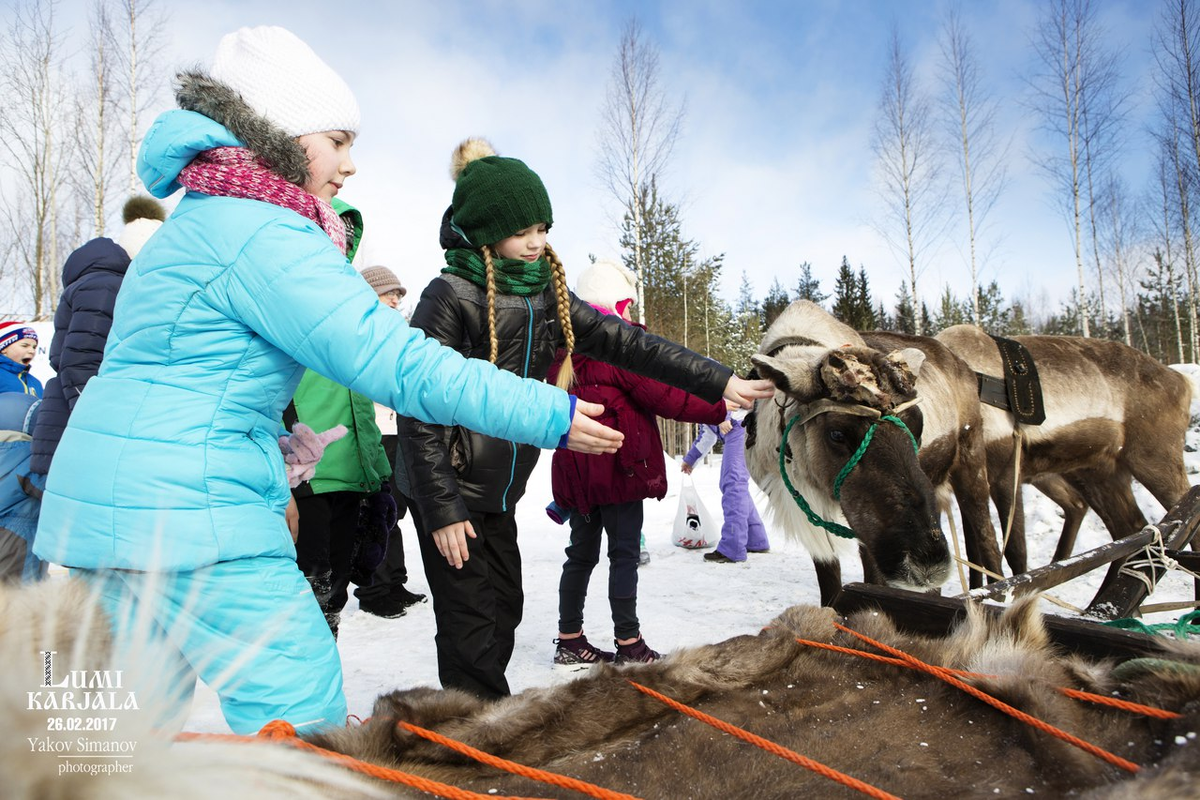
(491, 298)
(566, 372)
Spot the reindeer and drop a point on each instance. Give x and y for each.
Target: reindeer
(1112, 413)
(836, 388)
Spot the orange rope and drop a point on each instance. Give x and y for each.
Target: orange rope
(1077, 694)
(283, 732)
(515, 768)
(769, 746)
(945, 675)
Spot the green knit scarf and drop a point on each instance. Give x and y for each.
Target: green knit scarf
(512, 275)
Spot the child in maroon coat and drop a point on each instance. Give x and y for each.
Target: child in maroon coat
(605, 492)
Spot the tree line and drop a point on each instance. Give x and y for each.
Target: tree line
(71, 138)
(941, 167)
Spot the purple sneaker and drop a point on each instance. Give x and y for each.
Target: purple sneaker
(637, 653)
(577, 654)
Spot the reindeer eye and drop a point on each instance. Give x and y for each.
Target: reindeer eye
(836, 436)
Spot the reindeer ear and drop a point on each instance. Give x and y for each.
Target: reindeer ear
(773, 370)
(796, 376)
(910, 358)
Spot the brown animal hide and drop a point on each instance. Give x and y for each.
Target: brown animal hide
(1112, 413)
(899, 730)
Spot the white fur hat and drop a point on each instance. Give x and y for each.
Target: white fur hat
(606, 283)
(136, 233)
(282, 79)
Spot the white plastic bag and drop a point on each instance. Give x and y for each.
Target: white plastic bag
(694, 526)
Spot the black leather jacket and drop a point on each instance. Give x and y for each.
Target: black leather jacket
(449, 472)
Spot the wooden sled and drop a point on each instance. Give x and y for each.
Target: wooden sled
(1122, 593)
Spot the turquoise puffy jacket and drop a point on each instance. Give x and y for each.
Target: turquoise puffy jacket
(170, 458)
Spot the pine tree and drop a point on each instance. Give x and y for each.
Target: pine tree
(808, 287)
(777, 300)
(866, 318)
(845, 294)
(906, 318)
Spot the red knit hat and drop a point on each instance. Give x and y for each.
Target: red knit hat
(14, 331)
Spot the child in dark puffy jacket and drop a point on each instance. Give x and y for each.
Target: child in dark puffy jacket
(91, 279)
(604, 493)
(503, 297)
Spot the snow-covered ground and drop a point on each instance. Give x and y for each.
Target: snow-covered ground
(682, 599)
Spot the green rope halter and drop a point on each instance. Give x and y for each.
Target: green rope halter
(833, 527)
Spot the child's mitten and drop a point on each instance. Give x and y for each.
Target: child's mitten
(303, 448)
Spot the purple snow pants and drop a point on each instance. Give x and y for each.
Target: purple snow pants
(743, 530)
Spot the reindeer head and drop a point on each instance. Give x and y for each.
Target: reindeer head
(840, 397)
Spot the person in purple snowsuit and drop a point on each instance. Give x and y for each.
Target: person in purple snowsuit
(743, 531)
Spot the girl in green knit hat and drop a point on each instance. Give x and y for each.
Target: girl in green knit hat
(503, 297)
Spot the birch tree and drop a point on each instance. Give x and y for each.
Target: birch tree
(639, 124)
(1070, 91)
(971, 116)
(97, 137)
(1177, 54)
(138, 36)
(32, 146)
(905, 150)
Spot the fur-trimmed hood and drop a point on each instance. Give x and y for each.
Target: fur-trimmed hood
(205, 95)
(212, 115)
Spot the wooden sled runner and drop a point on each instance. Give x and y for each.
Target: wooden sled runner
(1126, 587)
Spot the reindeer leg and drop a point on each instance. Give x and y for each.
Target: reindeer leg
(971, 491)
(1074, 507)
(829, 579)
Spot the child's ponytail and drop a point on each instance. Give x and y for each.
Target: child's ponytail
(566, 371)
(491, 300)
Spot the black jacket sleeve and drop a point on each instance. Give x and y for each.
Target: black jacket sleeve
(422, 452)
(607, 338)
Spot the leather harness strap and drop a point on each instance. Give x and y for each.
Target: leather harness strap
(1020, 391)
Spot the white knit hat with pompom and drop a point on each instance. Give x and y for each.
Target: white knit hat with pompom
(282, 79)
(606, 283)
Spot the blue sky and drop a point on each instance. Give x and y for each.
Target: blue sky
(774, 166)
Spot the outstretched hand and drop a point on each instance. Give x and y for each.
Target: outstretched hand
(743, 393)
(589, 436)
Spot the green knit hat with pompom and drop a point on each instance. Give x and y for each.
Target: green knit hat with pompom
(494, 197)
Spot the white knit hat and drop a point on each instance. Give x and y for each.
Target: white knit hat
(282, 79)
(606, 283)
(136, 233)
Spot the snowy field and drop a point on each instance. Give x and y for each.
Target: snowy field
(682, 599)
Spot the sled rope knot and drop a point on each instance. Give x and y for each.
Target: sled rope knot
(946, 675)
(1076, 694)
(1153, 555)
(813, 518)
(574, 784)
(282, 732)
(768, 745)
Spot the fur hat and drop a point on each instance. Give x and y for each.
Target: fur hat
(283, 80)
(143, 216)
(494, 197)
(13, 332)
(383, 280)
(606, 283)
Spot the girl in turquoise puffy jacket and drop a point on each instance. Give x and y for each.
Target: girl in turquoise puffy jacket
(168, 490)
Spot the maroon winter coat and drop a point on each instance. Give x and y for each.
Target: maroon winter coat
(637, 470)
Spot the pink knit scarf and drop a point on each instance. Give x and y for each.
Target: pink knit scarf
(237, 172)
